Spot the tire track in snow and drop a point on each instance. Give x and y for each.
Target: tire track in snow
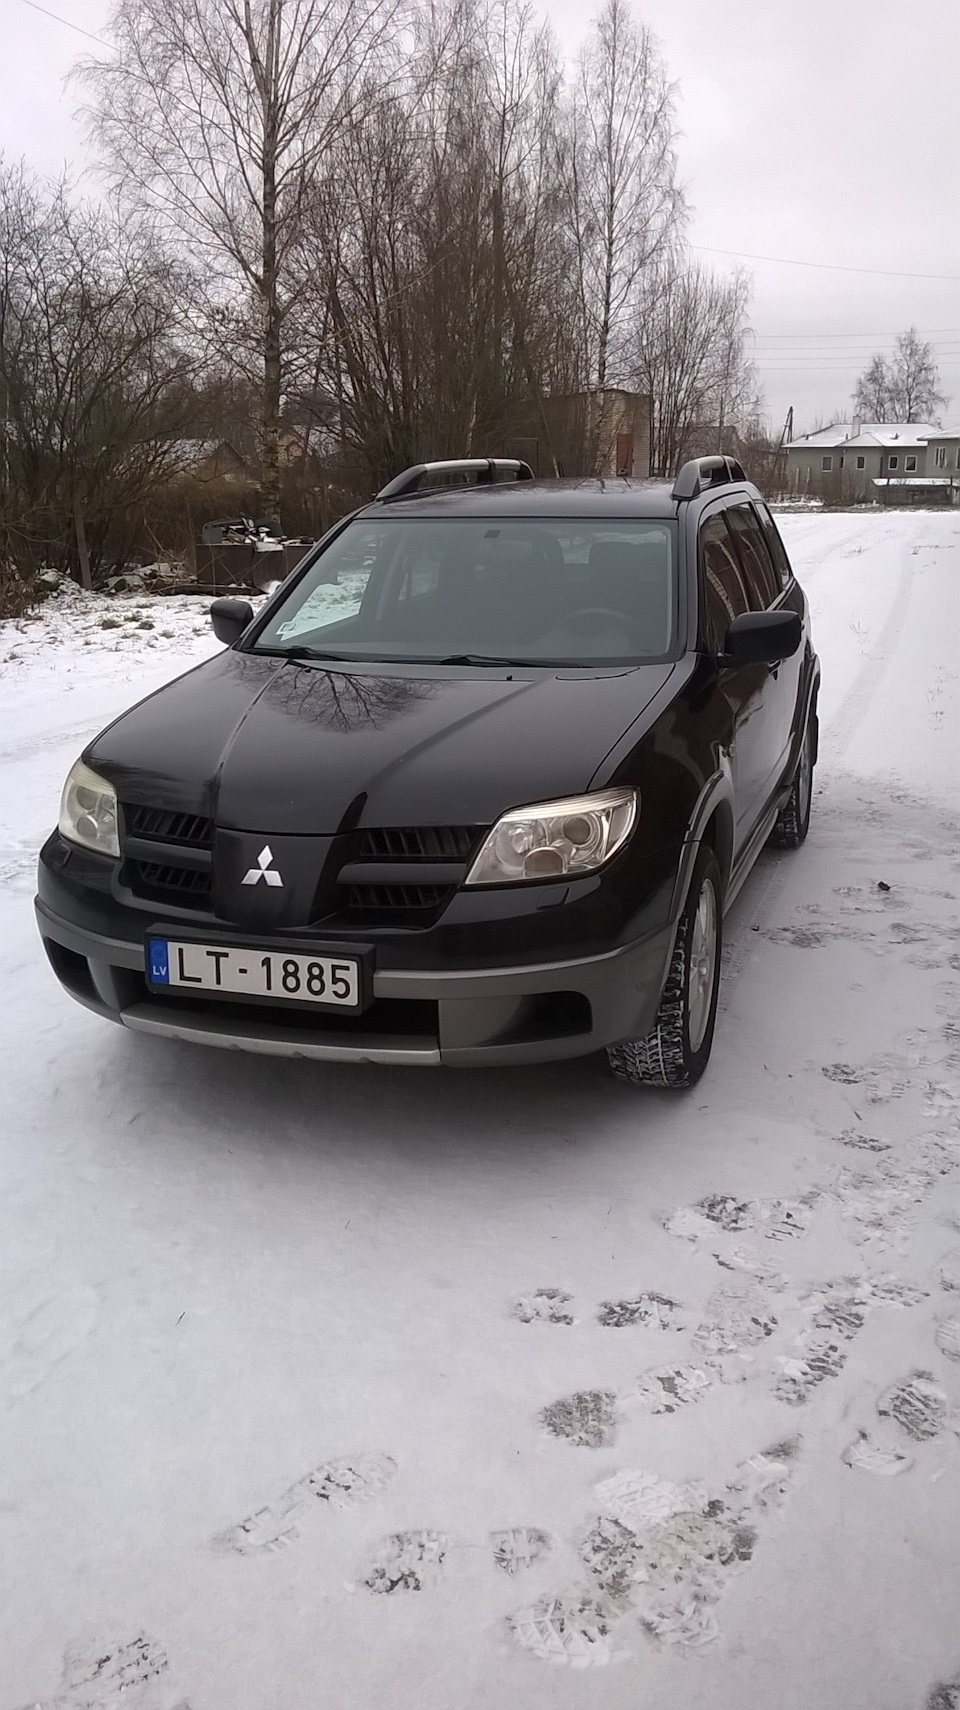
(853, 709)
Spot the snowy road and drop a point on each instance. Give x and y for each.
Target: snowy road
(330, 1388)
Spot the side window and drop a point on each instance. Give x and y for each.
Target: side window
(778, 551)
(724, 592)
(763, 583)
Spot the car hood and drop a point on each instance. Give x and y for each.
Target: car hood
(265, 745)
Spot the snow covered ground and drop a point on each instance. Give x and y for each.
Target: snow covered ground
(328, 1388)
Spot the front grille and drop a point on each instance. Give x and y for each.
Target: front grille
(418, 843)
(186, 886)
(374, 899)
(168, 826)
(155, 869)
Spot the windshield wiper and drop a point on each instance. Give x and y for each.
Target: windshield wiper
(301, 653)
(484, 659)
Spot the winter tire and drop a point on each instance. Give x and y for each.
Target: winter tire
(676, 1050)
(793, 820)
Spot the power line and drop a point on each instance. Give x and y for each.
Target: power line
(924, 332)
(69, 23)
(823, 358)
(831, 266)
(945, 347)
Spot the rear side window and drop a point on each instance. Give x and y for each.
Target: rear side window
(763, 583)
(725, 594)
(778, 551)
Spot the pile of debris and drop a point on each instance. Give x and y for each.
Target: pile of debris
(236, 552)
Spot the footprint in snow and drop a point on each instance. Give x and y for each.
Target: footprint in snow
(518, 1547)
(738, 1315)
(944, 1696)
(811, 937)
(918, 1405)
(845, 1073)
(863, 1142)
(867, 1455)
(665, 1389)
(543, 1306)
(573, 1629)
(663, 1552)
(835, 1313)
(775, 1219)
(103, 1674)
(587, 1419)
(801, 1375)
(407, 1561)
(653, 1311)
(339, 1483)
(414, 1561)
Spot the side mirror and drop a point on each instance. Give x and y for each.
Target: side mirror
(761, 638)
(230, 619)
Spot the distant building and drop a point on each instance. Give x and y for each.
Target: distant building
(888, 461)
(943, 453)
(213, 460)
(587, 433)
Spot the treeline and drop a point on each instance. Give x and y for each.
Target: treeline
(342, 236)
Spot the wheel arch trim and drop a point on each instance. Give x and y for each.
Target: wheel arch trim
(714, 807)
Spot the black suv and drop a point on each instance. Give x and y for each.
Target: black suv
(475, 785)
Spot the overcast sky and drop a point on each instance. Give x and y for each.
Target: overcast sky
(823, 132)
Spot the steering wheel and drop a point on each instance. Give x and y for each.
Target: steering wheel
(602, 613)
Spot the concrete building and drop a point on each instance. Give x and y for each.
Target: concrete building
(587, 433)
(899, 462)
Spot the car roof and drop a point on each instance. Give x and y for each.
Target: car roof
(618, 496)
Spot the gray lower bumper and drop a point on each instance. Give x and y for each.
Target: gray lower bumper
(500, 1016)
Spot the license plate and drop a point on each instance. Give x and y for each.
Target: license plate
(248, 971)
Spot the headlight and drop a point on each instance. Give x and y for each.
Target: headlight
(556, 840)
(88, 811)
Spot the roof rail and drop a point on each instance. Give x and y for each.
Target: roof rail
(486, 469)
(703, 472)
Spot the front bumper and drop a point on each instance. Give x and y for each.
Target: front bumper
(462, 1017)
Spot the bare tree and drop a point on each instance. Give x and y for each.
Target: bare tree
(871, 398)
(93, 374)
(902, 388)
(441, 264)
(627, 207)
(689, 356)
(218, 115)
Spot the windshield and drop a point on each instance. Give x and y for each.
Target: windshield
(478, 590)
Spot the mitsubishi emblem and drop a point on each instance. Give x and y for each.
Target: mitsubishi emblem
(263, 870)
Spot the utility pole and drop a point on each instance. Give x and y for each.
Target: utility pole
(780, 461)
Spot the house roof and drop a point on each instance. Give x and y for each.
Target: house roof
(889, 435)
(945, 433)
(836, 434)
(892, 436)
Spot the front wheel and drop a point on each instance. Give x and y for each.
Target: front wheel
(676, 1050)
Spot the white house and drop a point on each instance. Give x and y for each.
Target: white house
(869, 455)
